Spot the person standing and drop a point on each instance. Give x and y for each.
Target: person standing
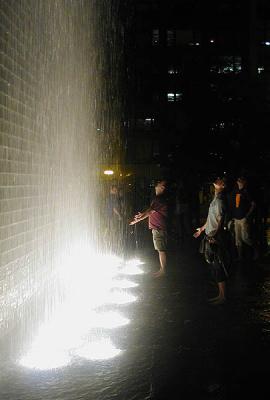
(214, 243)
(241, 207)
(113, 220)
(158, 223)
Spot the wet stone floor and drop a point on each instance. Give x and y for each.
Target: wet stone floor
(177, 346)
(209, 351)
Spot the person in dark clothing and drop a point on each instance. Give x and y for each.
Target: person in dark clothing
(242, 206)
(113, 204)
(113, 220)
(158, 223)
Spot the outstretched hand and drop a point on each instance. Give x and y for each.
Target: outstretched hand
(136, 218)
(197, 233)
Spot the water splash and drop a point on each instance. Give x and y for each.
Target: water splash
(71, 330)
(60, 123)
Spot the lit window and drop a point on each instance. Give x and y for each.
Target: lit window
(237, 64)
(260, 70)
(145, 123)
(155, 37)
(173, 71)
(172, 97)
(148, 122)
(178, 96)
(227, 64)
(171, 37)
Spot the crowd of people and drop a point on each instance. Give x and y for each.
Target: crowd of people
(228, 233)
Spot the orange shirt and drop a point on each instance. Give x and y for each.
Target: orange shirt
(237, 200)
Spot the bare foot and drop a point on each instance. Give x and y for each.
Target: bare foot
(158, 274)
(213, 299)
(220, 300)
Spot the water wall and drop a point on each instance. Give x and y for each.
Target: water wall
(60, 120)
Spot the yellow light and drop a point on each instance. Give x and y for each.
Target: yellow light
(108, 172)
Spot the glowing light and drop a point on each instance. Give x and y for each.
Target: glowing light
(99, 350)
(124, 284)
(42, 359)
(212, 41)
(134, 262)
(121, 297)
(132, 270)
(132, 267)
(108, 172)
(109, 320)
(267, 43)
(73, 321)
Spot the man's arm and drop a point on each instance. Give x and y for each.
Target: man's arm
(199, 231)
(141, 216)
(116, 212)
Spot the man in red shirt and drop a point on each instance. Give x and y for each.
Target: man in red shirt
(158, 217)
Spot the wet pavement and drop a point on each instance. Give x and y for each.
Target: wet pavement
(208, 351)
(177, 345)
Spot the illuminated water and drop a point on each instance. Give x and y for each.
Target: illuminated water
(65, 300)
(76, 322)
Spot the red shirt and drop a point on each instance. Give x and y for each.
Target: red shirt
(159, 215)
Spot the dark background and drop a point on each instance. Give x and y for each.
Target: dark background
(197, 88)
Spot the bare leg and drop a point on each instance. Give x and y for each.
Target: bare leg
(221, 298)
(163, 261)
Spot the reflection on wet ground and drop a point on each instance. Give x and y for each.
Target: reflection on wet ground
(176, 342)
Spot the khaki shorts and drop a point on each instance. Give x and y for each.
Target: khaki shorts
(159, 240)
(241, 229)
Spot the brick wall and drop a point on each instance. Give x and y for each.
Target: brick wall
(52, 60)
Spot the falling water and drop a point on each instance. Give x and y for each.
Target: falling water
(54, 96)
(60, 124)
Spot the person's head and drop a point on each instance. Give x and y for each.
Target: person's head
(113, 189)
(219, 184)
(241, 182)
(160, 187)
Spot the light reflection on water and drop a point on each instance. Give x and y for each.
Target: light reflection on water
(66, 333)
(76, 352)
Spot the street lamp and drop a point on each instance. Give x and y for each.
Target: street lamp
(108, 172)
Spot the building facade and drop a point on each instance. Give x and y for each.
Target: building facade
(199, 85)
